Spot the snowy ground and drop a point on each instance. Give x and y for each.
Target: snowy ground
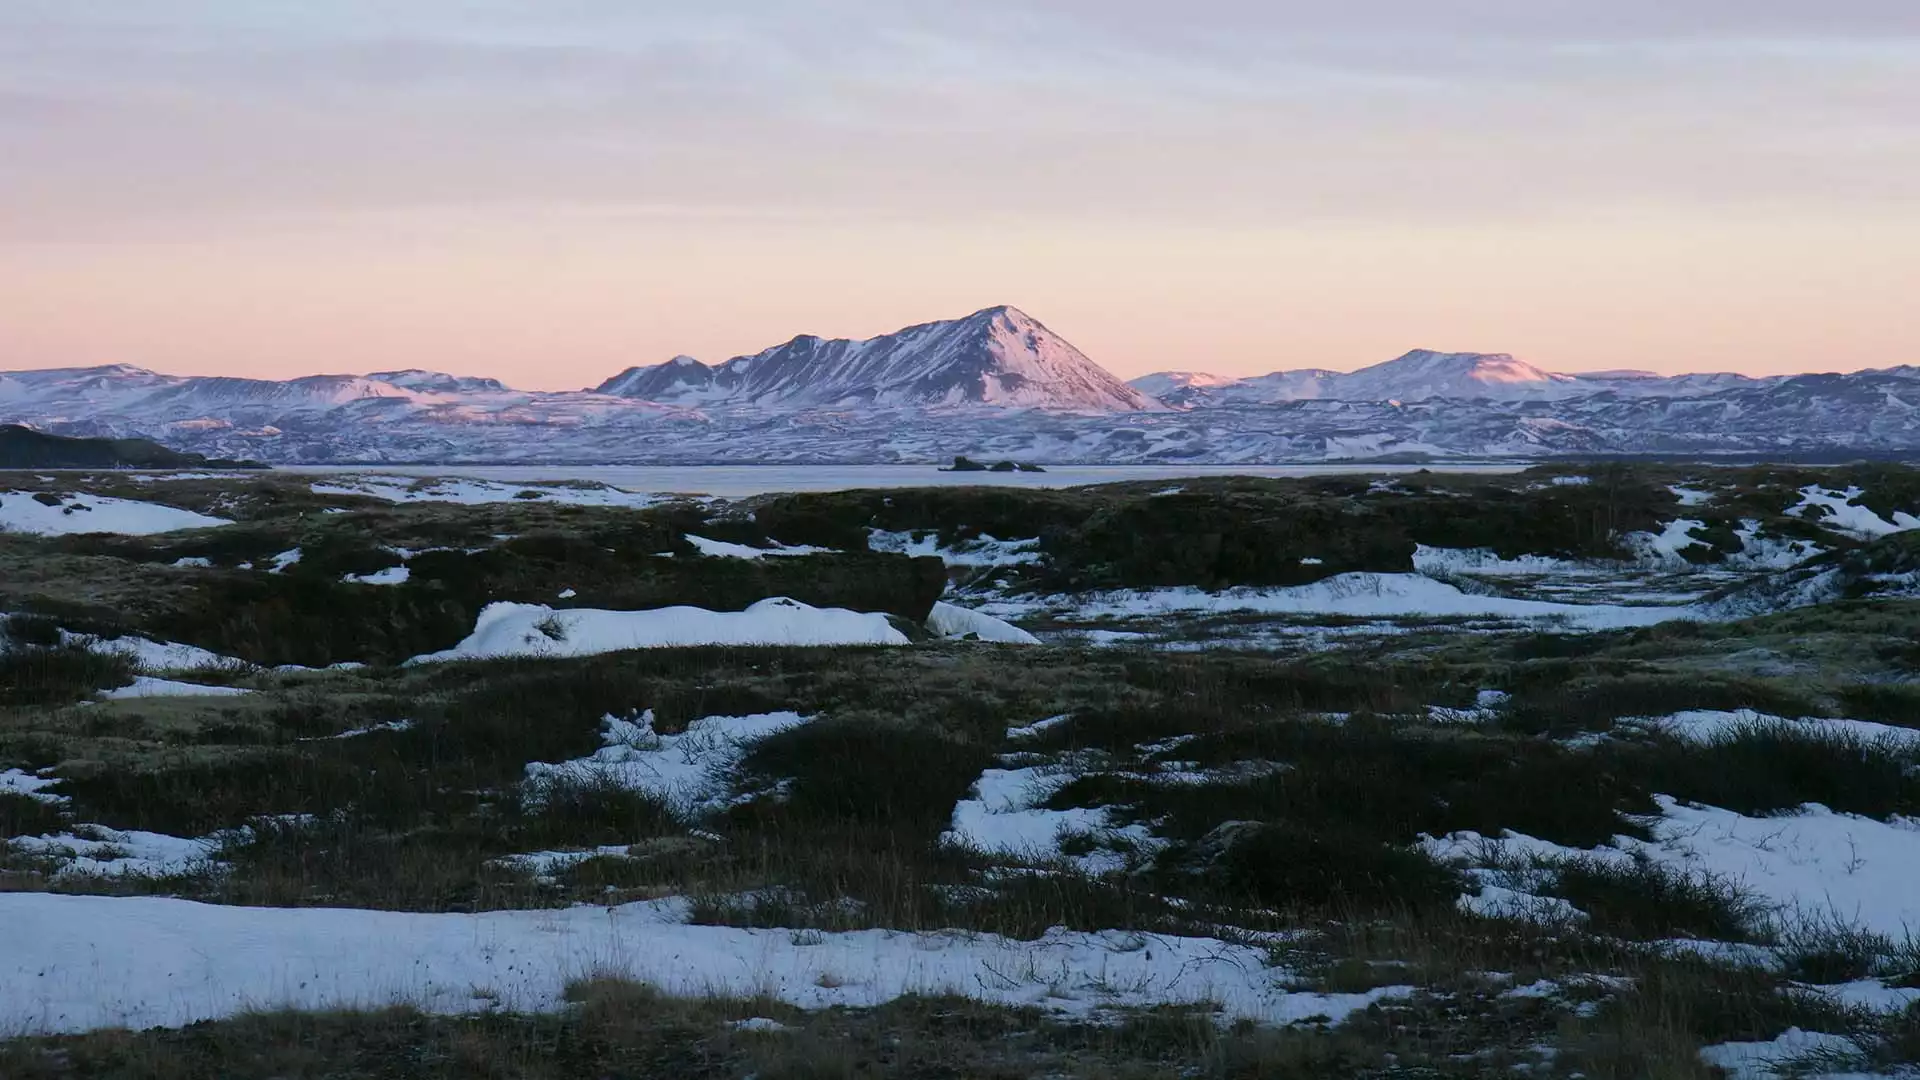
(74, 963)
(68, 515)
(146, 686)
(687, 771)
(1388, 603)
(507, 629)
(844, 825)
(1812, 862)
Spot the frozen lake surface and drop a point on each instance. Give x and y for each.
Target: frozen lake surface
(736, 481)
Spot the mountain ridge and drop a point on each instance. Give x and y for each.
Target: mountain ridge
(995, 384)
(1427, 374)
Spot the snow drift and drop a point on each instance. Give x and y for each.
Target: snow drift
(509, 629)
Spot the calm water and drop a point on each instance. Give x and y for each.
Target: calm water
(734, 481)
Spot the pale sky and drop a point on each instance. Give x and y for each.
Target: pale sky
(547, 191)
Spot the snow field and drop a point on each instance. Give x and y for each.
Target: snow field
(21, 512)
(75, 963)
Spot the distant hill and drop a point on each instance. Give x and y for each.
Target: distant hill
(25, 448)
(1426, 375)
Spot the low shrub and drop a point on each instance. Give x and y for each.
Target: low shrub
(1644, 900)
(60, 675)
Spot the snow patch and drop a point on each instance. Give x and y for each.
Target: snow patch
(392, 575)
(1765, 1060)
(983, 551)
(1665, 546)
(146, 686)
(688, 771)
(1836, 510)
(510, 629)
(21, 512)
(1843, 866)
(546, 866)
(1499, 902)
(18, 782)
(1707, 725)
(154, 656)
(952, 621)
(104, 852)
(1484, 562)
(1759, 552)
(76, 963)
(1004, 817)
(1364, 594)
(1034, 730)
(723, 549)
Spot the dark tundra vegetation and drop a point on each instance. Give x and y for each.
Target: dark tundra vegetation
(1598, 772)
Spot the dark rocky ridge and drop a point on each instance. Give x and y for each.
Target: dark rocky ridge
(24, 448)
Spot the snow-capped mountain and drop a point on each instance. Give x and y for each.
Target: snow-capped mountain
(996, 384)
(679, 378)
(1417, 376)
(1000, 357)
(1194, 390)
(1423, 375)
(1162, 383)
(438, 382)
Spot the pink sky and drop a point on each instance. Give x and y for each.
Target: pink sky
(550, 192)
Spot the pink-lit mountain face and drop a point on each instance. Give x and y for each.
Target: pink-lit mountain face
(999, 357)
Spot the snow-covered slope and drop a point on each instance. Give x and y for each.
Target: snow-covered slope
(1188, 390)
(438, 382)
(1000, 356)
(1423, 374)
(1420, 375)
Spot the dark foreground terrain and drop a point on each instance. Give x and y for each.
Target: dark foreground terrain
(1608, 772)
